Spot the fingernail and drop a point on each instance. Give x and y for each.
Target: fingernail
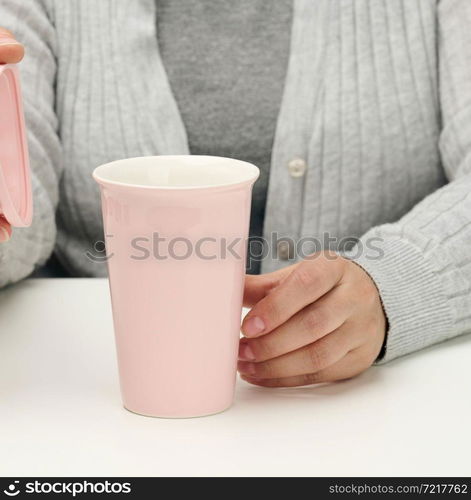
(250, 379)
(4, 234)
(245, 351)
(246, 367)
(253, 326)
(8, 40)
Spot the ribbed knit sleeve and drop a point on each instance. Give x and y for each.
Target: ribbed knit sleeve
(422, 263)
(28, 247)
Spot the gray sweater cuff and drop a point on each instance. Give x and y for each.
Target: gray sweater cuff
(415, 305)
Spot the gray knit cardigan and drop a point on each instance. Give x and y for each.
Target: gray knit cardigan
(377, 102)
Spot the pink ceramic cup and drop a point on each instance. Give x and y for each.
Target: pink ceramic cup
(176, 231)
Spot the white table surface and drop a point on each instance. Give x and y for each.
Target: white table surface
(60, 409)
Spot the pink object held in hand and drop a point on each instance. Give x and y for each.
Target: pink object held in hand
(176, 231)
(16, 203)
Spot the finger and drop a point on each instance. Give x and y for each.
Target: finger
(308, 325)
(258, 286)
(308, 282)
(11, 51)
(310, 359)
(5, 230)
(349, 366)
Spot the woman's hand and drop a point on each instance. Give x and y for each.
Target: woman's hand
(5, 230)
(11, 51)
(317, 321)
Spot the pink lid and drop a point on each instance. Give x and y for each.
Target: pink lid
(16, 203)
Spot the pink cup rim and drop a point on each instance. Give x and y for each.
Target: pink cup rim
(247, 173)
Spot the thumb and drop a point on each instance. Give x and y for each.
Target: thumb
(11, 51)
(258, 286)
(5, 230)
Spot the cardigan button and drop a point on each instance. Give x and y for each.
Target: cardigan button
(297, 167)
